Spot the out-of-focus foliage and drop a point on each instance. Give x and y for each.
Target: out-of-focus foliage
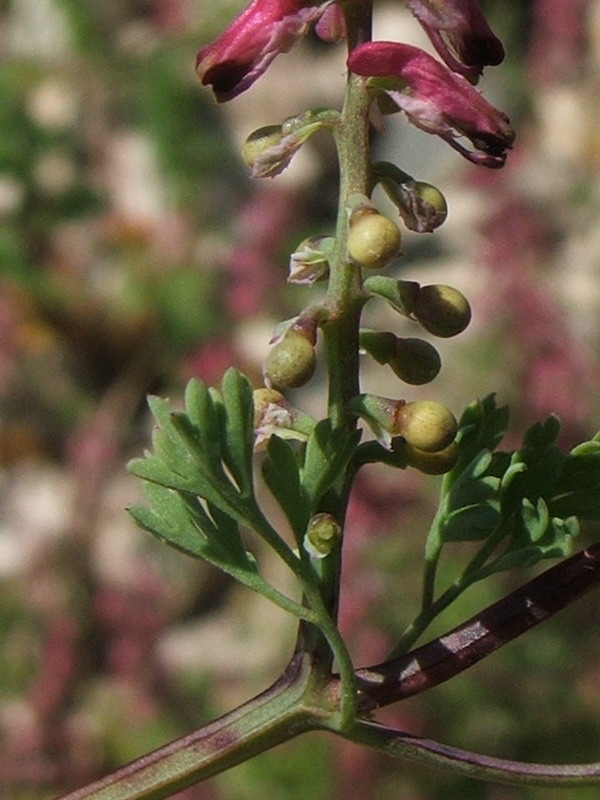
(135, 253)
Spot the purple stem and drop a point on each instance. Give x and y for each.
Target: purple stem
(443, 658)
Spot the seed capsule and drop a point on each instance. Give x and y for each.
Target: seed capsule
(291, 362)
(426, 425)
(436, 463)
(415, 361)
(373, 240)
(442, 310)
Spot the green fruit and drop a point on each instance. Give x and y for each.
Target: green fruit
(426, 425)
(442, 310)
(373, 240)
(436, 463)
(416, 361)
(291, 362)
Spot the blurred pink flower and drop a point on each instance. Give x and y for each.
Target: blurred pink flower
(459, 32)
(437, 100)
(245, 49)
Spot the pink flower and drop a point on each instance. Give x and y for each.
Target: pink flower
(459, 32)
(246, 48)
(437, 100)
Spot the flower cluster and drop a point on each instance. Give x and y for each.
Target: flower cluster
(437, 97)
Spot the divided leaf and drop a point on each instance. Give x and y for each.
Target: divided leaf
(328, 451)
(281, 472)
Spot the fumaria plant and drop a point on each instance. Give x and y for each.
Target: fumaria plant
(513, 508)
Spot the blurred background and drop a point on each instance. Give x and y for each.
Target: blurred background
(134, 254)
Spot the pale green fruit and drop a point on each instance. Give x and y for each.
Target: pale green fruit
(442, 310)
(373, 240)
(426, 425)
(291, 362)
(436, 463)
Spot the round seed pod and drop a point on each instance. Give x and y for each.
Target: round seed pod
(436, 463)
(373, 240)
(442, 310)
(291, 362)
(426, 425)
(415, 361)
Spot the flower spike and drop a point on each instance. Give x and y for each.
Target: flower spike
(437, 100)
(245, 49)
(459, 32)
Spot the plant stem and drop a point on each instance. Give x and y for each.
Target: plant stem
(344, 303)
(293, 705)
(433, 754)
(441, 659)
(345, 298)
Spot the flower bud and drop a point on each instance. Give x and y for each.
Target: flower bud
(436, 463)
(322, 535)
(291, 361)
(309, 262)
(442, 310)
(425, 425)
(263, 399)
(415, 361)
(260, 140)
(373, 240)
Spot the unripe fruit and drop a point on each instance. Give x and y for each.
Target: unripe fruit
(373, 240)
(436, 463)
(291, 362)
(442, 310)
(416, 361)
(426, 425)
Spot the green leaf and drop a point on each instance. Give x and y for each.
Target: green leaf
(581, 469)
(535, 518)
(471, 523)
(512, 559)
(482, 425)
(239, 428)
(328, 451)
(205, 417)
(473, 486)
(282, 475)
(202, 533)
(584, 504)
(169, 519)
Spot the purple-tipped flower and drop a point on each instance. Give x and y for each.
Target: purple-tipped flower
(246, 48)
(459, 32)
(437, 100)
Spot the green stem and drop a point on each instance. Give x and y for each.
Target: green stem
(431, 608)
(472, 765)
(344, 303)
(345, 297)
(293, 705)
